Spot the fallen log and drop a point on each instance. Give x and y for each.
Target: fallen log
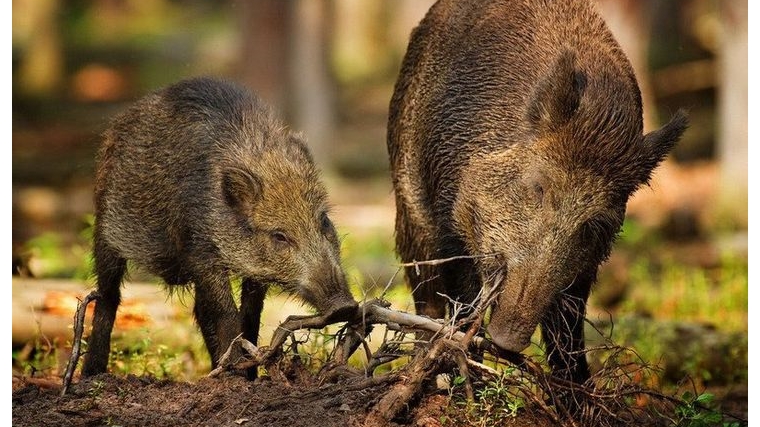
(47, 308)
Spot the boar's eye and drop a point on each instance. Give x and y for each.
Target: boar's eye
(280, 240)
(325, 224)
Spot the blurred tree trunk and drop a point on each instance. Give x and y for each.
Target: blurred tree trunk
(732, 102)
(263, 66)
(312, 97)
(629, 22)
(284, 59)
(41, 69)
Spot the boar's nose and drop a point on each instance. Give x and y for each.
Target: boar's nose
(508, 339)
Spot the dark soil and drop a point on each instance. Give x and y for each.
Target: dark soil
(226, 401)
(232, 400)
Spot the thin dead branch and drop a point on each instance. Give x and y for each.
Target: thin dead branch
(439, 261)
(77, 343)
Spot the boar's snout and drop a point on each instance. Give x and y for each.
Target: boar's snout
(518, 310)
(343, 307)
(509, 339)
(338, 304)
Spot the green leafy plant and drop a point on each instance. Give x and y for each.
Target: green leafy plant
(39, 357)
(495, 401)
(698, 410)
(96, 389)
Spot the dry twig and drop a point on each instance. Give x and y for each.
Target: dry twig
(76, 346)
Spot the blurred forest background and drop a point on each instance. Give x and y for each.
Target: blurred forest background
(329, 67)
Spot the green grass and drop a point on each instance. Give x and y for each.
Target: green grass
(37, 358)
(688, 293)
(370, 262)
(145, 357)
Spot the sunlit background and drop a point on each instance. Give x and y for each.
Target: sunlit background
(329, 67)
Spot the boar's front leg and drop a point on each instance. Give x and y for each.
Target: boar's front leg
(463, 286)
(562, 332)
(251, 305)
(216, 315)
(110, 268)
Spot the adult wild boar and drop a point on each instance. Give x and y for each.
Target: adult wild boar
(515, 131)
(198, 183)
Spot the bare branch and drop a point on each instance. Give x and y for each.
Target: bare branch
(439, 261)
(76, 346)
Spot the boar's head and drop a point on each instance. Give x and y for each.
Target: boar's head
(550, 205)
(285, 236)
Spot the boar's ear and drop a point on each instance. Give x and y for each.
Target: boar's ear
(241, 187)
(558, 94)
(658, 143)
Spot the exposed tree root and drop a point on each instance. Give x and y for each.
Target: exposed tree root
(614, 396)
(604, 400)
(398, 397)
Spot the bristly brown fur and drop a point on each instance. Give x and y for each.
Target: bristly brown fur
(515, 129)
(198, 183)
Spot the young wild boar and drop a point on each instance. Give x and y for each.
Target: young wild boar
(515, 134)
(198, 183)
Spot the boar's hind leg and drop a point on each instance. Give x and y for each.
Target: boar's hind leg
(110, 268)
(562, 333)
(251, 304)
(216, 315)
